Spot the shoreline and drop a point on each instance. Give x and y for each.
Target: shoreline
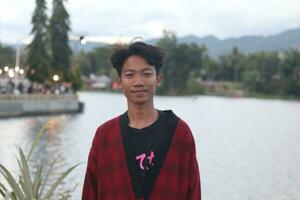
(229, 94)
(39, 104)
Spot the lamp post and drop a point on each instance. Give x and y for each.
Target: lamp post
(18, 68)
(55, 78)
(18, 56)
(82, 39)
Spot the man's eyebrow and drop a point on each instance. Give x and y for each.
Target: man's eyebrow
(148, 69)
(129, 70)
(132, 70)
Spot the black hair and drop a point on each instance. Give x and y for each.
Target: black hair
(152, 54)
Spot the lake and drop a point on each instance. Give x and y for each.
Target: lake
(246, 148)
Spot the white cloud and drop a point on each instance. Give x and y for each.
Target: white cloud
(94, 18)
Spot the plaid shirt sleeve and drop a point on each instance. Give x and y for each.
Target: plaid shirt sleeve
(194, 189)
(89, 191)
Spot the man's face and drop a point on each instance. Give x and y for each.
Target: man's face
(138, 80)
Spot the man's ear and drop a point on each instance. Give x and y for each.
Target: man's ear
(118, 81)
(158, 79)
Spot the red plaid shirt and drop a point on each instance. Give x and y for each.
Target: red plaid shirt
(107, 175)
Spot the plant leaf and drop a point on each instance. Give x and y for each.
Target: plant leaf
(27, 186)
(12, 182)
(58, 182)
(37, 139)
(3, 189)
(37, 181)
(7, 195)
(48, 174)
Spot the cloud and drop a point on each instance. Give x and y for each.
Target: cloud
(94, 18)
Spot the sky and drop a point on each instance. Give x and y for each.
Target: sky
(124, 19)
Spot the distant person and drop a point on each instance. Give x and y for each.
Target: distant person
(62, 88)
(20, 87)
(47, 89)
(30, 89)
(144, 153)
(10, 87)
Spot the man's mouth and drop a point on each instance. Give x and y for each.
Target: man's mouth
(138, 91)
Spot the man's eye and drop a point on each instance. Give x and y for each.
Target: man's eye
(128, 75)
(147, 74)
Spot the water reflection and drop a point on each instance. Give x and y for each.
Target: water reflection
(247, 148)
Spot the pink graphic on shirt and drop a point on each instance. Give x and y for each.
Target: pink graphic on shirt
(142, 157)
(151, 157)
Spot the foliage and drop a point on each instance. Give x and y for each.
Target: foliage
(260, 72)
(95, 62)
(290, 73)
(75, 79)
(38, 58)
(186, 66)
(232, 65)
(182, 61)
(58, 31)
(33, 185)
(7, 56)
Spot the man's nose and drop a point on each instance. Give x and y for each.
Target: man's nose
(139, 81)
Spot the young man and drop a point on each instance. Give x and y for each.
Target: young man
(144, 153)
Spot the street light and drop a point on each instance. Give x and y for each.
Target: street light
(55, 77)
(11, 73)
(82, 39)
(17, 68)
(21, 71)
(6, 68)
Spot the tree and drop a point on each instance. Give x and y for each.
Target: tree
(232, 65)
(182, 62)
(60, 51)
(290, 73)
(189, 62)
(75, 79)
(211, 69)
(103, 63)
(168, 43)
(260, 72)
(95, 62)
(38, 59)
(7, 56)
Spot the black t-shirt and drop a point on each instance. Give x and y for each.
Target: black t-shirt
(146, 150)
(147, 145)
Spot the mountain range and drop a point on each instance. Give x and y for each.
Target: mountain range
(216, 47)
(246, 44)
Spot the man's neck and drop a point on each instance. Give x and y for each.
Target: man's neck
(141, 116)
